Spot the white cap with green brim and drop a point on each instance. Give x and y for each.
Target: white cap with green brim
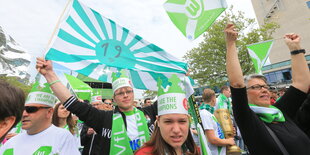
(96, 97)
(120, 80)
(174, 100)
(39, 95)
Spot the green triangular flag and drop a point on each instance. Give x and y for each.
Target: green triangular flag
(259, 53)
(193, 17)
(79, 88)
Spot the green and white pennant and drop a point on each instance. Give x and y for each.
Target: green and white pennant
(259, 53)
(193, 17)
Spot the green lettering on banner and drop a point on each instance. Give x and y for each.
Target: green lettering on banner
(171, 99)
(162, 101)
(8, 151)
(167, 107)
(43, 150)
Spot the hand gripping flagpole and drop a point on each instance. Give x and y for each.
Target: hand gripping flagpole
(38, 75)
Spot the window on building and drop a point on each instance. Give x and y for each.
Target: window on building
(287, 75)
(308, 4)
(273, 77)
(279, 76)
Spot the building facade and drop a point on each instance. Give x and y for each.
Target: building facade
(292, 16)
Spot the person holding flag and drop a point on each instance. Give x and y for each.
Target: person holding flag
(172, 131)
(124, 129)
(268, 129)
(42, 137)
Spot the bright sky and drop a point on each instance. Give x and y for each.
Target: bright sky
(31, 22)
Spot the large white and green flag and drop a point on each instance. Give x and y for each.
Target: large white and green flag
(95, 46)
(193, 17)
(259, 53)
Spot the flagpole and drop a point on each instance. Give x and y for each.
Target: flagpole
(57, 24)
(38, 76)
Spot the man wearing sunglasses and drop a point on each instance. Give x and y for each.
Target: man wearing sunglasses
(11, 107)
(41, 137)
(107, 104)
(125, 129)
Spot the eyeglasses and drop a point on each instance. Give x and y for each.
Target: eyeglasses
(259, 87)
(107, 103)
(33, 109)
(123, 93)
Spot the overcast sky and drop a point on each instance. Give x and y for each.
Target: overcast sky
(31, 22)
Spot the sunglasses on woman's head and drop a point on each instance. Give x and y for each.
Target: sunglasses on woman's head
(33, 109)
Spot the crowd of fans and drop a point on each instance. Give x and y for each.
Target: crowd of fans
(264, 121)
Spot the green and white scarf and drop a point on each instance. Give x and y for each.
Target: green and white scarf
(268, 114)
(207, 107)
(224, 103)
(120, 140)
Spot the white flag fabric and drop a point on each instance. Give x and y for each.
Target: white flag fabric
(95, 46)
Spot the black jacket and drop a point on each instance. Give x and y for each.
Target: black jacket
(101, 121)
(303, 116)
(256, 135)
(91, 143)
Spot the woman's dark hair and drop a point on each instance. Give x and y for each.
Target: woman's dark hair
(161, 147)
(55, 119)
(12, 100)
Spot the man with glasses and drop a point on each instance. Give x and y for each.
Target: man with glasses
(41, 137)
(12, 101)
(124, 130)
(107, 104)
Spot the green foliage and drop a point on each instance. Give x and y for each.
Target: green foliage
(149, 94)
(208, 60)
(26, 87)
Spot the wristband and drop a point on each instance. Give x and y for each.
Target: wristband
(298, 51)
(54, 82)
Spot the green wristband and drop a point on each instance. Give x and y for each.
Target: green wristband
(54, 82)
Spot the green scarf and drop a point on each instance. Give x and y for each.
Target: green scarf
(222, 101)
(120, 140)
(207, 107)
(268, 114)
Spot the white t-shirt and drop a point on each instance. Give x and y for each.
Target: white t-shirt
(132, 131)
(209, 123)
(52, 140)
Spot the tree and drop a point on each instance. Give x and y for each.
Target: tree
(26, 87)
(149, 94)
(207, 61)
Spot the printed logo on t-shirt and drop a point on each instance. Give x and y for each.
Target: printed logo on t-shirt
(220, 131)
(43, 150)
(134, 144)
(8, 151)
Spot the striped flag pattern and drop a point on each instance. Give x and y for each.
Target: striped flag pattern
(95, 46)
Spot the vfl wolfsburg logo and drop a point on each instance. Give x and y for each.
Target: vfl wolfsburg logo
(43, 150)
(193, 17)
